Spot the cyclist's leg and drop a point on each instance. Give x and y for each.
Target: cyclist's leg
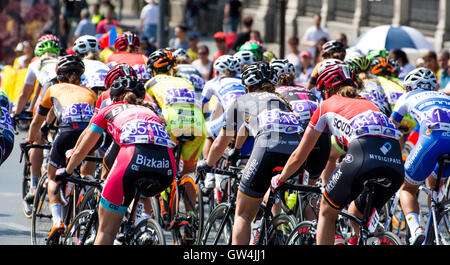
(109, 226)
(246, 209)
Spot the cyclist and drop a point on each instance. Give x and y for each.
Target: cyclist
(6, 128)
(187, 70)
(245, 58)
(255, 47)
(365, 130)
(42, 70)
(127, 51)
(269, 118)
(73, 106)
(431, 110)
(87, 47)
(145, 152)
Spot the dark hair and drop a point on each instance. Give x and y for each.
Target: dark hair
(204, 47)
(294, 38)
(400, 55)
(182, 27)
(247, 21)
(131, 98)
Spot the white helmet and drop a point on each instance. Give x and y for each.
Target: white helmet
(328, 62)
(85, 44)
(422, 78)
(180, 52)
(227, 62)
(245, 57)
(281, 67)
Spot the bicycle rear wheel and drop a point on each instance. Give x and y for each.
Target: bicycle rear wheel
(216, 219)
(27, 207)
(283, 225)
(303, 234)
(83, 229)
(148, 232)
(41, 219)
(384, 238)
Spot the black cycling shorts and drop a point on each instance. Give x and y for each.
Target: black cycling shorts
(110, 155)
(265, 162)
(5, 149)
(368, 157)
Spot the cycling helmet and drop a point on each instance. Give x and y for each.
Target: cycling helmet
(331, 46)
(328, 62)
(123, 84)
(47, 43)
(69, 63)
(254, 48)
(281, 67)
(117, 71)
(382, 66)
(268, 56)
(258, 73)
(422, 78)
(359, 64)
(334, 75)
(85, 44)
(245, 57)
(227, 62)
(180, 52)
(161, 60)
(127, 39)
(383, 53)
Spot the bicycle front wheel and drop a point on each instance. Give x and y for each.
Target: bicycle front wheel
(83, 229)
(219, 226)
(443, 227)
(283, 225)
(41, 219)
(303, 234)
(384, 238)
(148, 232)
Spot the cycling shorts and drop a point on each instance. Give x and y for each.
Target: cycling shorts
(214, 127)
(317, 159)
(110, 155)
(186, 121)
(367, 157)
(264, 163)
(421, 161)
(6, 147)
(134, 162)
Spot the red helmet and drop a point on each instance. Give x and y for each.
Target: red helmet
(127, 39)
(117, 71)
(334, 75)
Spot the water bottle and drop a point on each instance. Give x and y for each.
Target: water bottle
(255, 231)
(291, 200)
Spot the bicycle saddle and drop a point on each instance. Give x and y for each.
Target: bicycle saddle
(146, 183)
(184, 138)
(385, 182)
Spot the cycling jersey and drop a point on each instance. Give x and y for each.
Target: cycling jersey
(94, 73)
(191, 73)
(44, 74)
(375, 93)
(351, 118)
(431, 110)
(178, 103)
(6, 128)
(105, 100)
(136, 60)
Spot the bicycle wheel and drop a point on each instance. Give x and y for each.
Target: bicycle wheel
(443, 222)
(384, 238)
(216, 219)
(27, 207)
(303, 234)
(148, 232)
(83, 229)
(283, 225)
(41, 219)
(90, 199)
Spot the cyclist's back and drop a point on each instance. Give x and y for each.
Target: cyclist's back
(6, 128)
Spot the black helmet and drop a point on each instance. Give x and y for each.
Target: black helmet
(332, 46)
(123, 84)
(161, 59)
(69, 64)
(258, 73)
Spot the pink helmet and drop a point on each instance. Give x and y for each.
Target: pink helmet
(334, 75)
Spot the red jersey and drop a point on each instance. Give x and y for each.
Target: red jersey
(136, 60)
(105, 100)
(351, 118)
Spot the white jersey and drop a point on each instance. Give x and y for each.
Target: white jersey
(226, 90)
(43, 72)
(94, 73)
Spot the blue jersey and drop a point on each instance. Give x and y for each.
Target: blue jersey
(226, 89)
(6, 122)
(428, 108)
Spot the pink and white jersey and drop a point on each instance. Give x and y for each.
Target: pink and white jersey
(131, 124)
(351, 118)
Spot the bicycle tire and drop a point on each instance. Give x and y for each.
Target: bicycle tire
(385, 239)
(41, 219)
(443, 221)
(85, 222)
(156, 214)
(303, 234)
(90, 200)
(148, 232)
(213, 223)
(27, 207)
(282, 225)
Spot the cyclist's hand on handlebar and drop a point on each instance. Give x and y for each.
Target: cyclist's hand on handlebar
(233, 155)
(202, 167)
(61, 175)
(275, 183)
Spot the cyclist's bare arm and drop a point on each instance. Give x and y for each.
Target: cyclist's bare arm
(83, 149)
(35, 98)
(25, 95)
(34, 131)
(218, 147)
(241, 137)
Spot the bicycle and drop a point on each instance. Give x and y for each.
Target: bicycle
(438, 223)
(83, 229)
(41, 220)
(183, 220)
(26, 179)
(305, 232)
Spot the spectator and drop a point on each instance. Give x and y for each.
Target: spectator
(430, 62)
(247, 23)
(232, 15)
(442, 60)
(191, 13)
(84, 27)
(294, 55)
(319, 44)
(146, 46)
(203, 64)
(402, 59)
(193, 48)
(341, 37)
(149, 20)
(64, 33)
(313, 34)
(96, 16)
(26, 51)
(306, 68)
(107, 23)
(219, 41)
(203, 16)
(180, 40)
(255, 35)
